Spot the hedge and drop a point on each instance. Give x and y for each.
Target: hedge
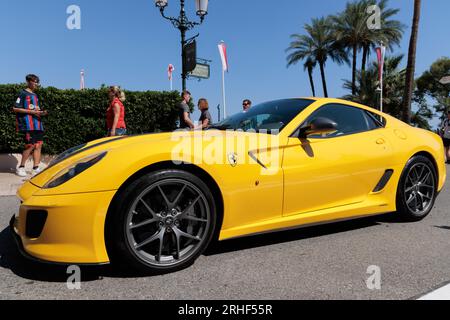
(76, 117)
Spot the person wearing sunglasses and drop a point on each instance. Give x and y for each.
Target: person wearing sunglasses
(246, 105)
(28, 112)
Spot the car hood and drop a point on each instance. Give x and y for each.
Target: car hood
(151, 144)
(94, 147)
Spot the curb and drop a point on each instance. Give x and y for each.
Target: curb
(10, 161)
(9, 190)
(9, 181)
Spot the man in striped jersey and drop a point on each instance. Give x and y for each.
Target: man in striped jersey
(28, 123)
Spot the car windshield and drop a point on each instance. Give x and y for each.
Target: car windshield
(269, 117)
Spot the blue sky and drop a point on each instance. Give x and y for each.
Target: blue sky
(129, 44)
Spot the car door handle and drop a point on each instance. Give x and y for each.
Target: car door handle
(381, 141)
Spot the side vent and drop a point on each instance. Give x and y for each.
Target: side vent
(384, 180)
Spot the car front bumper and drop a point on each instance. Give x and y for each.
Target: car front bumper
(73, 230)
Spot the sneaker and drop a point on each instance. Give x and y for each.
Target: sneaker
(36, 171)
(21, 172)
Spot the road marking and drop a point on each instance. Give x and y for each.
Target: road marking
(439, 294)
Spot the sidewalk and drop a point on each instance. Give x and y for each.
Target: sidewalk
(9, 183)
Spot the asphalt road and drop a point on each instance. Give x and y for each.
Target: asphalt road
(322, 262)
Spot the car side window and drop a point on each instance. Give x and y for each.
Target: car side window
(375, 121)
(349, 120)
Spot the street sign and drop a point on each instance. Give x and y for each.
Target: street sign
(445, 80)
(190, 54)
(201, 71)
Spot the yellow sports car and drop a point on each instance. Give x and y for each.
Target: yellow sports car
(155, 202)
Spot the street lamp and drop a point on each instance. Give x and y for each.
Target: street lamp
(183, 24)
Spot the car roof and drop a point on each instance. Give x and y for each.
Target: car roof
(342, 101)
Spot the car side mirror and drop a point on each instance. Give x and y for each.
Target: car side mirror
(317, 126)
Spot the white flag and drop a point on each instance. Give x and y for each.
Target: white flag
(223, 55)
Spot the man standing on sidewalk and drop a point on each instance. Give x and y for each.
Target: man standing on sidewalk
(28, 121)
(183, 108)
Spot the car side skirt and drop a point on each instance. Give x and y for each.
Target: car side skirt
(329, 215)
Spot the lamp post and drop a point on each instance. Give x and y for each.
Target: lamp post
(183, 24)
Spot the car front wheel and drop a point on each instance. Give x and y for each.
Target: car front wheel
(162, 222)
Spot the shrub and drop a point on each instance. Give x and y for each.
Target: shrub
(76, 117)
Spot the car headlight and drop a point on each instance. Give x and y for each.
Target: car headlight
(73, 170)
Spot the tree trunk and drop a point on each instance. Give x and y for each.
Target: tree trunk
(410, 69)
(364, 59)
(311, 80)
(355, 48)
(324, 82)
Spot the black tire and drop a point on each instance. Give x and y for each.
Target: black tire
(143, 212)
(417, 189)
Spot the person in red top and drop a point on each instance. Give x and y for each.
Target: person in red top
(115, 115)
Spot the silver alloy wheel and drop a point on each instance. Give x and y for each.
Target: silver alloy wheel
(420, 188)
(168, 222)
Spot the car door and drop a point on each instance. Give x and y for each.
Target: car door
(337, 169)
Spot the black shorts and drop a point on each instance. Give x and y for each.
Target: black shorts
(446, 142)
(33, 138)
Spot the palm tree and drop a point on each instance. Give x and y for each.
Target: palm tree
(409, 81)
(390, 32)
(353, 33)
(302, 50)
(317, 46)
(367, 84)
(350, 29)
(309, 65)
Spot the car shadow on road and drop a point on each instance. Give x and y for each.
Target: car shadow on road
(296, 234)
(10, 257)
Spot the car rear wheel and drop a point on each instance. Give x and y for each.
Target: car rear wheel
(162, 222)
(417, 189)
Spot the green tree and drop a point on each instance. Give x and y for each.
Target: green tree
(317, 46)
(301, 52)
(428, 85)
(350, 29)
(390, 32)
(353, 33)
(367, 91)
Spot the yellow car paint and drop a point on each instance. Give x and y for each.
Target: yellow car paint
(284, 184)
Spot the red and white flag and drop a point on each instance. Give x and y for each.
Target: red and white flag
(223, 55)
(170, 71)
(381, 53)
(82, 86)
